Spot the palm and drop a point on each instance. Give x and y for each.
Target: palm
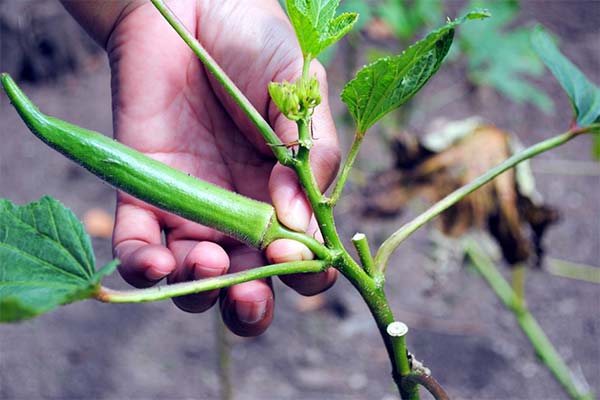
(167, 106)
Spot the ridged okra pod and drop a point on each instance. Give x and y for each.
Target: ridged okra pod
(250, 221)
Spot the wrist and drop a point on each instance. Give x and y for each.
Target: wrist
(99, 18)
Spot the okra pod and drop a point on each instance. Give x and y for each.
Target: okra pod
(250, 221)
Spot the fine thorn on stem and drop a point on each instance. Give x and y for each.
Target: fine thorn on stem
(282, 154)
(391, 244)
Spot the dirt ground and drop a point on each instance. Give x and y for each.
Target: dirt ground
(463, 334)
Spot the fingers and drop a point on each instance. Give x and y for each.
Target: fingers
(247, 308)
(137, 243)
(197, 260)
(284, 250)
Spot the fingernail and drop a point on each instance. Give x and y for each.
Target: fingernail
(250, 312)
(297, 215)
(204, 271)
(155, 274)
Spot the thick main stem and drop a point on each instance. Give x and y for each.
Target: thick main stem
(376, 300)
(530, 327)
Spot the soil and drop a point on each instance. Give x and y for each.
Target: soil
(461, 331)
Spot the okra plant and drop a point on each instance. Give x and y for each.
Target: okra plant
(46, 258)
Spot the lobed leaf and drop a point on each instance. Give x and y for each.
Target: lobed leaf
(316, 25)
(46, 259)
(389, 82)
(584, 96)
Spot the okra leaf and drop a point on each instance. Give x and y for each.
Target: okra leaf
(46, 259)
(389, 82)
(316, 25)
(584, 95)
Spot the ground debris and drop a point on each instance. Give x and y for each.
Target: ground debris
(429, 169)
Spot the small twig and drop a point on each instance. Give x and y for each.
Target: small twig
(571, 270)
(429, 383)
(364, 253)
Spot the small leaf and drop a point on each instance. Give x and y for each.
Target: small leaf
(584, 96)
(389, 82)
(46, 259)
(316, 25)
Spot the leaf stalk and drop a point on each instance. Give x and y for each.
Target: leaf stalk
(180, 289)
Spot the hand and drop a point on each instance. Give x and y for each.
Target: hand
(166, 105)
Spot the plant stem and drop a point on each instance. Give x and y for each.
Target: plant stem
(339, 186)
(429, 383)
(281, 153)
(202, 285)
(224, 358)
(519, 277)
(390, 244)
(571, 270)
(364, 254)
(542, 345)
(377, 303)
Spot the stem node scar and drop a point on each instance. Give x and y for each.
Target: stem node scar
(397, 329)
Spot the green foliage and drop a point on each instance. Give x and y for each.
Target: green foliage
(46, 259)
(584, 95)
(389, 82)
(407, 20)
(502, 57)
(316, 25)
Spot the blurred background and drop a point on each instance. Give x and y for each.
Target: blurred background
(327, 347)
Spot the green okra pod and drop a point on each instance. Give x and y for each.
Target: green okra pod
(250, 221)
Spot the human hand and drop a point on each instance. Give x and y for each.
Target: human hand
(167, 106)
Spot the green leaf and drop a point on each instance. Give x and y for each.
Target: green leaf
(46, 259)
(389, 82)
(584, 96)
(507, 65)
(316, 25)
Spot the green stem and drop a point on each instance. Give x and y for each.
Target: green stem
(519, 277)
(339, 186)
(429, 383)
(281, 153)
(377, 303)
(571, 270)
(542, 345)
(203, 285)
(224, 358)
(364, 254)
(390, 244)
